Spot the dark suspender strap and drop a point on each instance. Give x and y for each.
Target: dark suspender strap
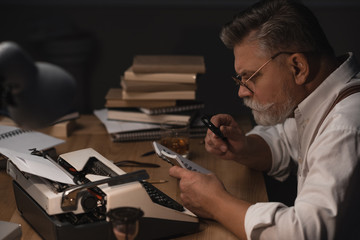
(342, 95)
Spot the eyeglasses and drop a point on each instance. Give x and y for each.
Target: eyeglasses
(239, 81)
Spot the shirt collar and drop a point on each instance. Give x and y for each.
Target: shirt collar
(331, 86)
(314, 106)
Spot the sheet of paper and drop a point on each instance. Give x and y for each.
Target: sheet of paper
(122, 126)
(38, 166)
(21, 140)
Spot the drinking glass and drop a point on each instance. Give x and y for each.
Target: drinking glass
(125, 222)
(175, 136)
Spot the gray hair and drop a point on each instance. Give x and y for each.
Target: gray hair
(278, 25)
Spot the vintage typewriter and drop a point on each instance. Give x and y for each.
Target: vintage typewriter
(62, 211)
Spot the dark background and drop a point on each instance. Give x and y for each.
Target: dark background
(96, 39)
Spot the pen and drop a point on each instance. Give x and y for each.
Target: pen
(156, 181)
(216, 130)
(148, 153)
(130, 163)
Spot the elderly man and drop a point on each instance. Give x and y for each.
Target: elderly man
(306, 103)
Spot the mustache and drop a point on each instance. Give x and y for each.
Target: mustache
(257, 106)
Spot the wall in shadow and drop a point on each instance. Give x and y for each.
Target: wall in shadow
(97, 42)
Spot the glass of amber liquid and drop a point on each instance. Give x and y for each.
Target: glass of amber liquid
(175, 136)
(125, 222)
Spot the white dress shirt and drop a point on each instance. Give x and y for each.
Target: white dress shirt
(328, 167)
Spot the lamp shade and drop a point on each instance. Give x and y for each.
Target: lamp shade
(35, 93)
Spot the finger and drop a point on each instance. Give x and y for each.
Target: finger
(227, 131)
(217, 151)
(210, 133)
(221, 119)
(215, 145)
(212, 139)
(176, 172)
(216, 120)
(233, 132)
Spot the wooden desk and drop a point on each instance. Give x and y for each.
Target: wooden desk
(239, 180)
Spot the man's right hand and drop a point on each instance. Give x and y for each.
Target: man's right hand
(251, 150)
(235, 143)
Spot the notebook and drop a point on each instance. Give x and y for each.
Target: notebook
(122, 126)
(173, 109)
(149, 135)
(22, 140)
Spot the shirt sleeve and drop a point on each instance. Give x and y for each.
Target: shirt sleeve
(322, 197)
(280, 138)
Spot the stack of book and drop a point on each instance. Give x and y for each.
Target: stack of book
(155, 89)
(157, 81)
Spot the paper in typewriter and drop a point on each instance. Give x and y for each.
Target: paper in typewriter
(15, 144)
(37, 165)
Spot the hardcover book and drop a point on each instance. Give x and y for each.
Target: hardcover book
(147, 86)
(62, 128)
(135, 115)
(130, 75)
(168, 64)
(114, 99)
(161, 95)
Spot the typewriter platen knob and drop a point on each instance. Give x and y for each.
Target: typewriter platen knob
(88, 201)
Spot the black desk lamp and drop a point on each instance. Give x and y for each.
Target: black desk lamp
(35, 94)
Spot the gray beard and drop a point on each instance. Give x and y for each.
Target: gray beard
(270, 114)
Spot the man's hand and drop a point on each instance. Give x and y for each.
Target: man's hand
(251, 150)
(236, 142)
(200, 193)
(206, 196)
